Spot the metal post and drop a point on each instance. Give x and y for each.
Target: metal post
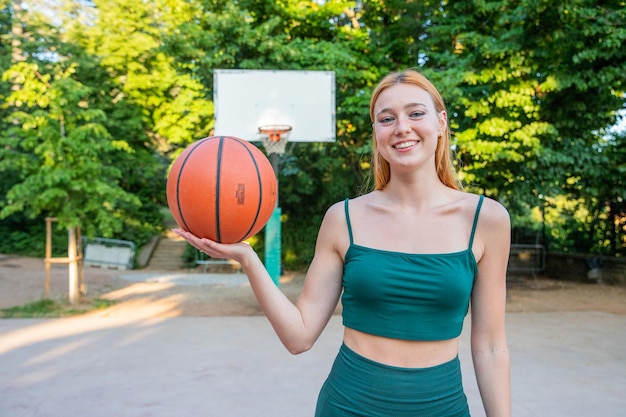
(273, 246)
(273, 232)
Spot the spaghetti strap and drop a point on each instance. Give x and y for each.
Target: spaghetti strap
(480, 203)
(348, 220)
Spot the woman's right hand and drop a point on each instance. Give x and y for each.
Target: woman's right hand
(236, 251)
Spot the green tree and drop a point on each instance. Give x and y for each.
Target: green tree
(602, 189)
(128, 40)
(67, 105)
(530, 84)
(531, 88)
(56, 147)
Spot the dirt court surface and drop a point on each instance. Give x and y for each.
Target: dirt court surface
(195, 294)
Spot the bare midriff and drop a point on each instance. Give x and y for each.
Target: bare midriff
(401, 353)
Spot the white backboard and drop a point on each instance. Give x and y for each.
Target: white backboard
(247, 99)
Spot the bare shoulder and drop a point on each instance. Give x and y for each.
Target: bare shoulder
(493, 214)
(493, 231)
(335, 214)
(333, 232)
(356, 206)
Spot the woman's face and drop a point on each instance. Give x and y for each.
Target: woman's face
(407, 125)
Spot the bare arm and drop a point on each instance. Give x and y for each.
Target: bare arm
(489, 345)
(298, 326)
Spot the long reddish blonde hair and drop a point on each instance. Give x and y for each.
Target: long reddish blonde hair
(443, 160)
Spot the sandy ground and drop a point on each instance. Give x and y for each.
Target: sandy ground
(160, 350)
(195, 294)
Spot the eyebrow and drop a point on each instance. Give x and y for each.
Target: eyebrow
(407, 106)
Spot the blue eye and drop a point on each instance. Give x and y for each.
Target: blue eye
(417, 114)
(386, 120)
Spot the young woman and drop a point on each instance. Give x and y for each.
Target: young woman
(406, 259)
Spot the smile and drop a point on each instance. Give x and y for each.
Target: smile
(404, 145)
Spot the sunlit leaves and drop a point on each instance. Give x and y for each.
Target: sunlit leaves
(57, 142)
(119, 87)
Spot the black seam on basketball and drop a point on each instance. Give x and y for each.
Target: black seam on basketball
(260, 182)
(218, 231)
(180, 173)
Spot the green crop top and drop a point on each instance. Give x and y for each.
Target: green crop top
(405, 295)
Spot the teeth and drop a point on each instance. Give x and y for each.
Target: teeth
(405, 144)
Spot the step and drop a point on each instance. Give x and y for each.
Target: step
(168, 253)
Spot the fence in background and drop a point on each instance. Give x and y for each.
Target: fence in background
(527, 258)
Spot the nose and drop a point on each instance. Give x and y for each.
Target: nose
(402, 125)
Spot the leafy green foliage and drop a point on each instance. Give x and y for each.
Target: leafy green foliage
(78, 148)
(57, 145)
(97, 102)
(533, 84)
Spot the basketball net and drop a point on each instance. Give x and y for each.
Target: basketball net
(274, 138)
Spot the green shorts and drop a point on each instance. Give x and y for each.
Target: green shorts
(358, 386)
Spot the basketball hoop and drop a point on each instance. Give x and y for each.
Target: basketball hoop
(274, 138)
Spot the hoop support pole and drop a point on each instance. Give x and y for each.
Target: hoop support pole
(274, 139)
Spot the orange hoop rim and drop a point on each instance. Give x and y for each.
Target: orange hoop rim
(274, 132)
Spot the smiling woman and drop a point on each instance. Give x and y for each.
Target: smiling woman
(405, 259)
(405, 119)
(425, 106)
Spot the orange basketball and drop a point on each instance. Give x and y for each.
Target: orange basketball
(222, 188)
